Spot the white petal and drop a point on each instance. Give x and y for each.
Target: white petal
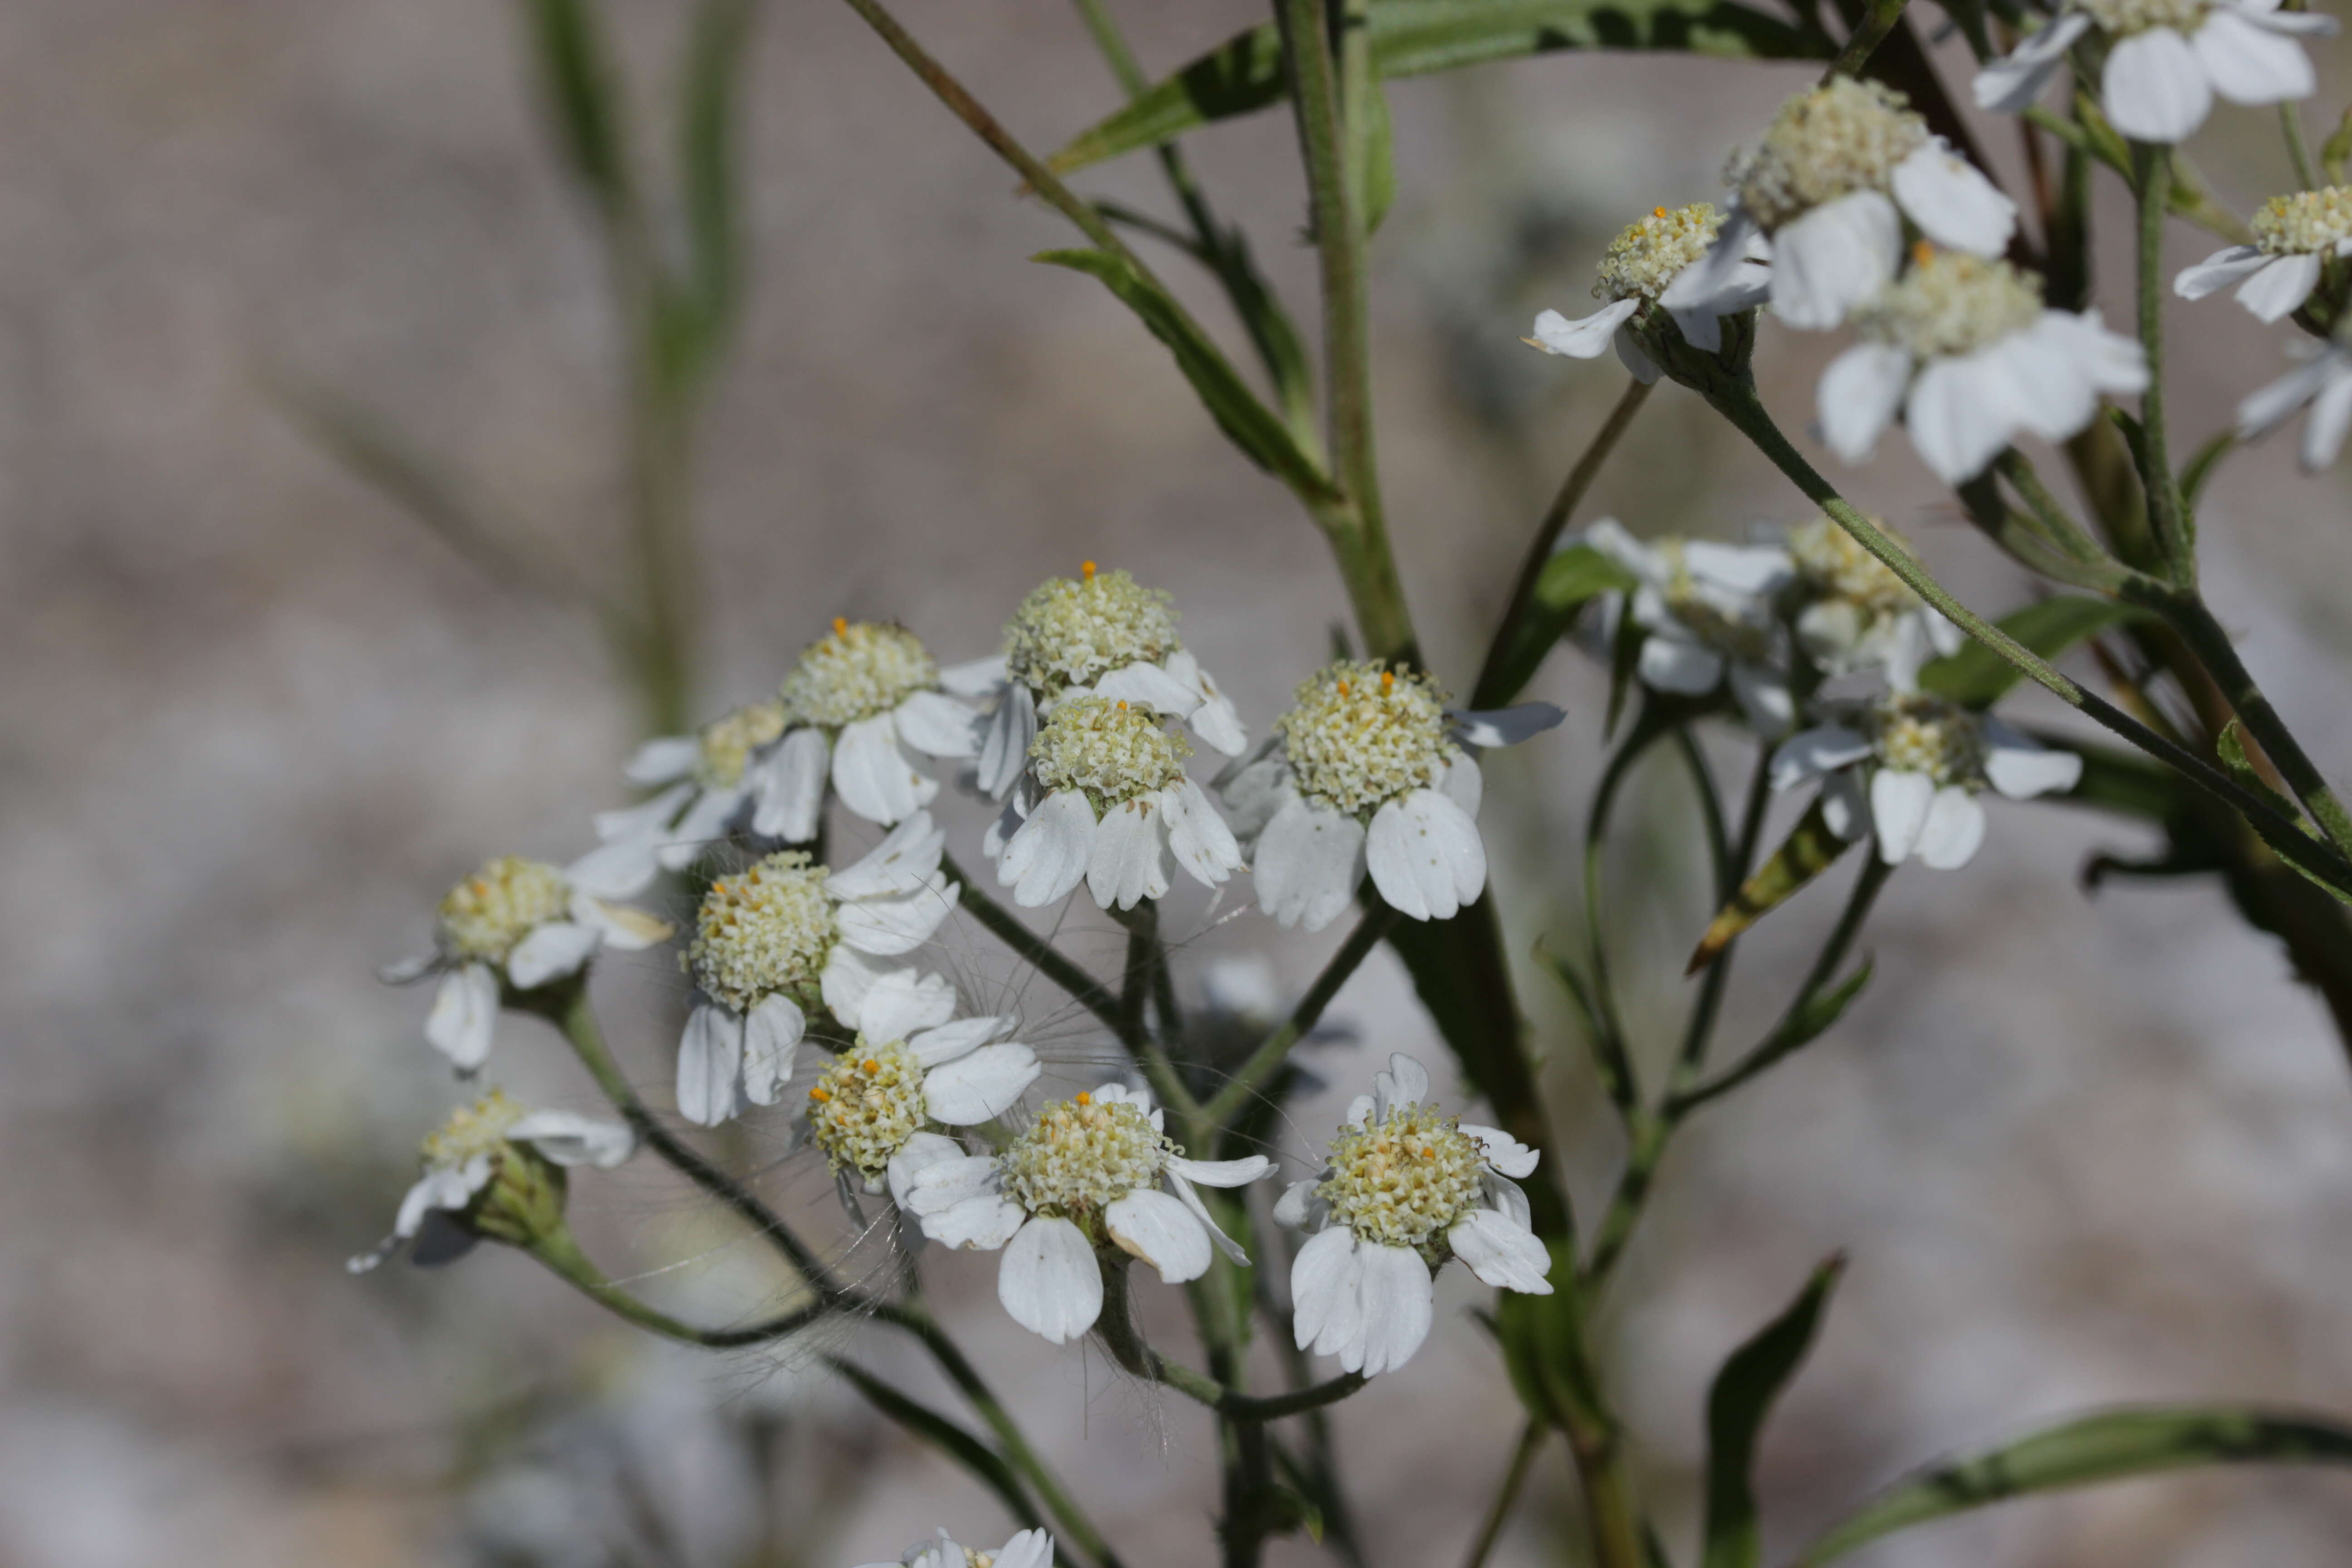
(1764, 698)
(1954, 827)
(771, 1040)
(2020, 767)
(1505, 726)
(1004, 749)
(976, 678)
(873, 776)
(1859, 395)
(1397, 1295)
(1254, 789)
(1812, 753)
(1295, 1210)
(623, 927)
(709, 1065)
(704, 823)
(981, 1087)
(907, 858)
(660, 760)
(788, 787)
(1899, 803)
(1952, 202)
(1674, 664)
(1221, 1173)
(618, 869)
(555, 949)
(1129, 860)
(943, 1184)
(1833, 258)
(983, 1223)
(1505, 1152)
(646, 816)
(1642, 368)
(409, 971)
(2009, 86)
(1718, 274)
(1149, 686)
(2279, 289)
(446, 1188)
(1216, 720)
(898, 922)
(1501, 1253)
(465, 1015)
(2273, 405)
(1403, 1081)
(1048, 1281)
(1424, 855)
(1203, 846)
(1465, 783)
(2153, 88)
(1030, 1549)
(957, 1038)
(938, 725)
(2250, 63)
(2331, 414)
(919, 1154)
(1359, 1112)
(848, 976)
(1326, 1305)
(1739, 569)
(1161, 1231)
(1843, 808)
(1585, 338)
(1958, 418)
(1309, 861)
(1506, 1198)
(901, 1002)
(568, 1139)
(2043, 377)
(1047, 856)
(2219, 271)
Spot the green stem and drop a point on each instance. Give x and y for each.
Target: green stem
(561, 1254)
(1144, 962)
(1255, 1073)
(1868, 34)
(1117, 1327)
(1700, 1030)
(2057, 525)
(2153, 165)
(2298, 152)
(1608, 1045)
(1498, 1511)
(1034, 950)
(1547, 535)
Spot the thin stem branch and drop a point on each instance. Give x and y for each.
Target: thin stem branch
(1700, 1030)
(1498, 1512)
(2153, 164)
(2298, 151)
(561, 1254)
(1117, 1326)
(2210, 642)
(1145, 964)
(1049, 961)
(1254, 1075)
(1869, 32)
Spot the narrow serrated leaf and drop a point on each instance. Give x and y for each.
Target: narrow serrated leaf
(1742, 1397)
(1975, 676)
(1811, 849)
(2110, 1445)
(1571, 580)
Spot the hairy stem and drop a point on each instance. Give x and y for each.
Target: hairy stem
(561, 1254)
(2174, 539)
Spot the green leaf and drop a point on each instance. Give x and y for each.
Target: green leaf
(1571, 580)
(709, 157)
(1539, 1338)
(2090, 1448)
(1237, 409)
(2200, 467)
(1809, 850)
(1380, 179)
(1624, 656)
(1811, 1020)
(1736, 1408)
(985, 1464)
(2229, 745)
(583, 89)
(1414, 38)
(1975, 676)
(2337, 151)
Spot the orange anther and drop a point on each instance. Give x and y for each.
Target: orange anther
(869, 1067)
(1343, 689)
(1087, 570)
(1085, 1099)
(819, 1094)
(1387, 680)
(1922, 254)
(840, 625)
(1658, 212)
(1122, 704)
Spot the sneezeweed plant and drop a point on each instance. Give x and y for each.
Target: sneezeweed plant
(1824, 652)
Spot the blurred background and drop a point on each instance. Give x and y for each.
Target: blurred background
(2079, 1148)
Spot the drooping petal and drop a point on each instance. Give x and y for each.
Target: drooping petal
(900, 1001)
(465, 1015)
(2331, 414)
(917, 1154)
(1221, 1173)
(1491, 727)
(2270, 406)
(907, 858)
(2219, 271)
(982, 1223)
(1764, 698)
(1161, 1231)
(556, 948)
(980, 1087)
(2009, 86)
(1505, 1152)
(938, 725)
(1216, 719)
(1327, 1307)
(2153, 88)
(409, 971)
(1833, 258)
(788, 787)
(976, 678)
(1030, 1549)
(1899, 803)
(619, 869)
(1048, 1281)
(1129, 861)
(1309, 861)
(1843, 806)
(623, 927)
(772, 1041)
(1464, 783)
(1958, 418)
(943, 1184)
(1424, 855)
(896, 922)
(873, 775)
(1004, 749)
(1397, 1297)
(1296, 1209)
(1404, 1081)
(956, 1037)
(704, 823)
(646, 816)
(566, 1138)
(2248, 63)
(2279, 289)
(1637, 363)
(657, 762)
(1586, 338)
(1507, 1198)
(710, 1064)
(1046, 857)
(848, 976)
(1812, 753)
(1678, 665)
(1954, 830)
(1859, 394)
(1952, 202)
(1501, 1252)
(1146, 685)
(2020, 767)
(1203, 846)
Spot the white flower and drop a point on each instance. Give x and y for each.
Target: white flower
(1406, 1188)
(779, 939)
(2294, 239)
(2166, 60)
(1030, 1549)
(1917, 764)
(1963, 348)
(2324, 381)
(474, 1148)
(870, 1110)
(519, 924)
(1839, 170)
(1101, 635)
(1657, 261)
(1855, 614)
(1105, 800)
(867, 698)
(1368, 771)
(709, 774)
(1085, 1176)
(1709, 612)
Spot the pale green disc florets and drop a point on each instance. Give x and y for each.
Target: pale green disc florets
(1406, 1180)
(1834, 565)
(766, 929)
(1112, 752)
(1838, 138)
(1952, 303)
(860, 669)
(1641, 262)
(727, 743)
(2122, 18)
(1915, 733)
(484, 916)
(1073, 633)
(2305, 224)
(1358, 735)
(1081, 1156)
(867, 1105)
(476, 1128)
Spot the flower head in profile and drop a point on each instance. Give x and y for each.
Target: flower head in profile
(2324, 381)
(1105, 802)
(1839, 171)
(1910, 766)
(1030, 1549)
(865, 706)
(784, 938)
(495, 1169)
(1655, 263)
(2166, 60)
(1100, 634)
(873, 1110)
(1085, 1178)
(1369, 770)
(518, 925)
(1405, 1188)
(1963, 349)
(1853, 613)
(1709, 616)
(2296, 237)
(706, 780)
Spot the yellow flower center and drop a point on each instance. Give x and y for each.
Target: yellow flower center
(484, 916)
(1951, 303)
(727, 743)
(1070, 633)
(1406, 1179)
(867, 1105)
(1082, 1156)
(1357, 735)
(471, 1130)
(1112, 752)
(2305, 223)
(1646, 257)
(1839, 138)
(861, 669)
(764, 929)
